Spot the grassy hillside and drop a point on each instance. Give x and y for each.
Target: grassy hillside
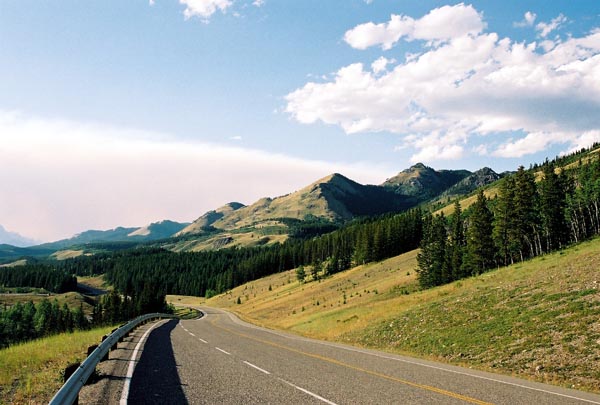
(537, 320)
(31, 373)
(72, 299)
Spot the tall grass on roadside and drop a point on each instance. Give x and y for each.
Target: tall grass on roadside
(31, 373)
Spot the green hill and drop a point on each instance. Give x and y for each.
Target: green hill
(535, 319)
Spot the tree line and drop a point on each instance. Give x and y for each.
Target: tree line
(22, 322)
(43, 276)
(526, 219)
(161, 272)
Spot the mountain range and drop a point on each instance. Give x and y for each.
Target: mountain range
(14, 239)
(334, 199)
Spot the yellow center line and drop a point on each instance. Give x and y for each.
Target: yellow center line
(356, 368)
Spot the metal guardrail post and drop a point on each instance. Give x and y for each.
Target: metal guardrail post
(69, 392)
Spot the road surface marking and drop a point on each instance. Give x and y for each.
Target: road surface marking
(132, 363)
(256, 367)
(312, 394)
(356, 368)
(368, 353)
(223, 351)
(192, 334)
(202, 340)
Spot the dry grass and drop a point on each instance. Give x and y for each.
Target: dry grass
(31, 373)
(66, 254)
(185, 300)
(95, 282)
(536, 320)
(313, 307)
(72, 299)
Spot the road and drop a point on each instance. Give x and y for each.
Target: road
(219, 359)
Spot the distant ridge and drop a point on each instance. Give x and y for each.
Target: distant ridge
(424, 183)
(334, 197)
(14, 239)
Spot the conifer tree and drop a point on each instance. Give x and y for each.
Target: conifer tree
(432, 259)
(525, 228)
(456, 244)
(552, 208)
(480, 245)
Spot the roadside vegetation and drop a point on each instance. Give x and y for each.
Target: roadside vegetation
(32, 372)
(536, 320)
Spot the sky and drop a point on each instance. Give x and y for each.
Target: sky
(126, 112)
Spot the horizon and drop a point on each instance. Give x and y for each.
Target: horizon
(129, 113)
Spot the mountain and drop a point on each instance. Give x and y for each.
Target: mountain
(154, 231)
(472, 182)
(424, 183)
(10, 253)
(158, 230)
(205, 221)
(14, 239)
(334, 198)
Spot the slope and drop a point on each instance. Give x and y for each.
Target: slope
(335, 198)
(424, 183)
(536, 319)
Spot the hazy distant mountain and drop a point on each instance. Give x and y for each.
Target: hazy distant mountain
(151, 232)
(424, 183)
(14, 239)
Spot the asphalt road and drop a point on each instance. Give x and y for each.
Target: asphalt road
(219, 359)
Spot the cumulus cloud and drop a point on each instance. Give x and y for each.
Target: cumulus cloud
(528, 20)
(544, 29)
(204, 8)
(474, 83)
(380, 64)
(440, 24)
(62, 177)
(258, 3)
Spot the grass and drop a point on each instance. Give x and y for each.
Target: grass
(95, 282)
(537, 320)
(72, 299)
(67, 254)
(31, 373)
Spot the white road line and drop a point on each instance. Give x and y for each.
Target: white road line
(256, 367)
(192, 334)
(416, 363)
(312, 394)
(223, 351)
(132, 362)
(202, 340)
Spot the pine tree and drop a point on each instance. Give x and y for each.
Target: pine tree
(432, 261)
(525, 229)
(503, 233)
(552, 208)
(480, 245)
(300, 273)
(456, 244)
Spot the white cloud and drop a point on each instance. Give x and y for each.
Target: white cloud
(528, 20)
(61, 177)
(259, 3)
(380, 64)
(204, 8)
(544, 29)
(151, 2)
(439, 24)
(469, 85)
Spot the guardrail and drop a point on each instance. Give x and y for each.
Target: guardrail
(69, 392)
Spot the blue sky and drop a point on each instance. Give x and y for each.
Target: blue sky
(126, 112)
